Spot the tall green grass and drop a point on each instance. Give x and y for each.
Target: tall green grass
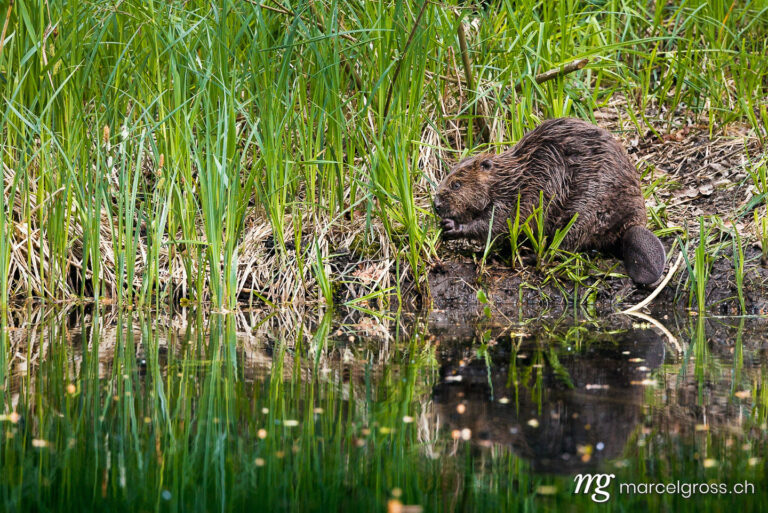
(309, 116)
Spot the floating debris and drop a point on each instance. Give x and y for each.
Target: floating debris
(461, 408)
(534, 423)
(466, 434)
(710, 462)
(291, 423)
(407, 419)
(12, 417)
(259, 462)
(504, 400)
(395, 506)
(262, 433)
(40, 443)
(546, 489)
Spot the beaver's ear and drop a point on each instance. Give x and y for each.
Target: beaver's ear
(486, 165)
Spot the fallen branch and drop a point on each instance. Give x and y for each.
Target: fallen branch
(552, 74)
(542, 77)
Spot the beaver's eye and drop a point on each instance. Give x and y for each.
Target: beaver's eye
(486, 164)
(455, 186)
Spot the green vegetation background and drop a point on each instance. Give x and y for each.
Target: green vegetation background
(222, 151)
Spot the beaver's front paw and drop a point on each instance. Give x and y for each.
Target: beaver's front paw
(451, 229)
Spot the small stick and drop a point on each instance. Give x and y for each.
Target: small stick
(542, 77)
(569, 67)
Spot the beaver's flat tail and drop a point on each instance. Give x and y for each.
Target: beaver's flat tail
(643, 255)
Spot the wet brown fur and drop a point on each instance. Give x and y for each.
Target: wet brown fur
(579, 167)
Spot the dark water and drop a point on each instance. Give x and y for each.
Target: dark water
(265, 411)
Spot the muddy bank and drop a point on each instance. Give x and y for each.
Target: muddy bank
(525, 292)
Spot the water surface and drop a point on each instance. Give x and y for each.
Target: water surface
(265, 411)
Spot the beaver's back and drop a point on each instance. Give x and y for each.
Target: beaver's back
(581, 169)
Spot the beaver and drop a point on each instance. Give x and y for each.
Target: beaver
(578, 168)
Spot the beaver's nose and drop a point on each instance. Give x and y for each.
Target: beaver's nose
(438, 206)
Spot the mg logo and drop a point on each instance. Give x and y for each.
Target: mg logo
(602, 481)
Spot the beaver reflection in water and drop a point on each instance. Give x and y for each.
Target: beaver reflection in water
(580, 169)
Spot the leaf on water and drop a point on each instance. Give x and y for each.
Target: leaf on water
(546, 489)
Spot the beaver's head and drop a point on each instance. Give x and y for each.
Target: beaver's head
(466, 191)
